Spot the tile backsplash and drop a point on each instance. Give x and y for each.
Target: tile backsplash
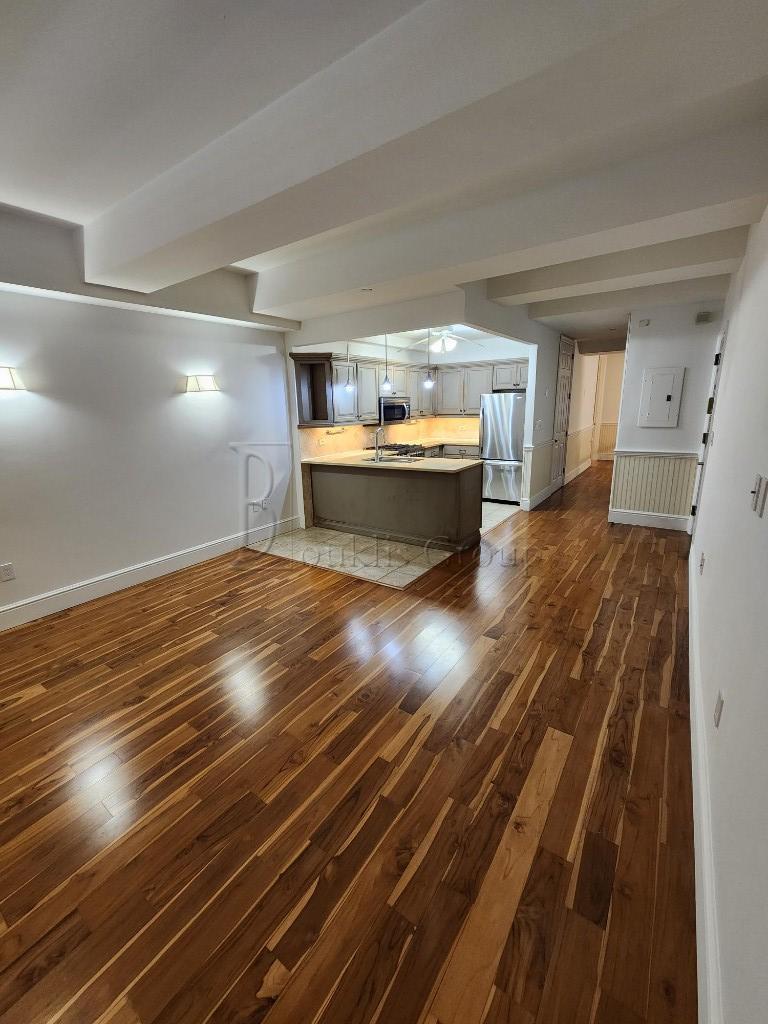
(317, 441)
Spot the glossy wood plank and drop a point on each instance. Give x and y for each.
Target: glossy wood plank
(258, 791)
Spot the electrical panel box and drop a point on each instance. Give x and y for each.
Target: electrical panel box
(660, 396)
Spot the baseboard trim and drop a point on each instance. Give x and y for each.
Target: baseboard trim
(653, 519)
(529, 503)
(604, 457)
(577, 470)
(707, 942)
(31, 608)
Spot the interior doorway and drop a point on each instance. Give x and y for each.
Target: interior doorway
(610, 375)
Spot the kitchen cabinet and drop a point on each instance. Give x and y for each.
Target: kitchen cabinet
(344, 401)
(427, 395)
(398, 376)
(412, 390)
(459, 389)
(478, 380)
(461, 451)
(510, 375)
(422, 399)
(450, 391)
(367, 393)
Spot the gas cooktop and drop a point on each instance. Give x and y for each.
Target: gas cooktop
(399, 449)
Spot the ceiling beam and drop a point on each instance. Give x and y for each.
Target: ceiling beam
(701, 289)
(357, 140)
(718, 252)
(712, 183)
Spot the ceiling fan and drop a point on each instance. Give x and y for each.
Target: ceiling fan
(442, 339)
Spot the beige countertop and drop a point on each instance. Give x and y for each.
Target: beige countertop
(361, 459)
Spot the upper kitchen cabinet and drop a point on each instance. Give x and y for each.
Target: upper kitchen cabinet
(422, 400)
(355, 392)
(314, 388)
(459, 389)
(398, 378)
(478, 380)
(412, 390)
(450, 391)
(367, 393)
(510, 375)
(344, 393)
(427, 395)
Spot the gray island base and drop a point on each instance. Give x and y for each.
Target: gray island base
(418, 503)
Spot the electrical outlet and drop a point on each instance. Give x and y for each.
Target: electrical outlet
(718, 709)
(7, 572)
(701, 564)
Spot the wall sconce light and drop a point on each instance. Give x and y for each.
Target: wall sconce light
(10, 380)
(202, 382)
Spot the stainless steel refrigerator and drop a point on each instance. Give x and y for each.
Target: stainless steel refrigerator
(502, 419)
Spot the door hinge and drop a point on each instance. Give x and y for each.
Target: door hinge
(705, 437)
(693, 510)
(717, 358)
(710, 405)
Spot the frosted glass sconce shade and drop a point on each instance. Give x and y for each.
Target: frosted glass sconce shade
(202, 382)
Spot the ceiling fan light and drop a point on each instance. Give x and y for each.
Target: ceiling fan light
(449, 343)
(436, 345)
(429, 383)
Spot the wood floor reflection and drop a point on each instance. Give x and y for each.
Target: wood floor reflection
(260, 791)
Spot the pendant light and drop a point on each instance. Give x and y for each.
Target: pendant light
(386, 384)
(429, 383)
(349, 386)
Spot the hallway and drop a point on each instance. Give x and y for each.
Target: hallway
(256, 790)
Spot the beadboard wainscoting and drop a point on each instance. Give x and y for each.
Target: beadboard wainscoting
(653, 489)
(578, 454)
(537, 474)
(606, 440)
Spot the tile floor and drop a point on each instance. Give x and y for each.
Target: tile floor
(391, 563)
(495, 513)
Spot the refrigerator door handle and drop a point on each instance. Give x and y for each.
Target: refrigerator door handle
(482, 421)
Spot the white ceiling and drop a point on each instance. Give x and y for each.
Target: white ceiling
(98, 98)
(356, 153)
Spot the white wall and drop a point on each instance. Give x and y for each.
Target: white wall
(671, 339)
(612, 379)
(583, 389)
(729, 648)
(105, 465)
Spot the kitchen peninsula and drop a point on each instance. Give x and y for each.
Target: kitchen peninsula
(435, 501)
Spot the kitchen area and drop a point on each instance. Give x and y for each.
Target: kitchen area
(408, 458)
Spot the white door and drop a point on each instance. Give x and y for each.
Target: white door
(506, 375)
(450, 392)
(562, 410)
(367, 394)
(344, 401)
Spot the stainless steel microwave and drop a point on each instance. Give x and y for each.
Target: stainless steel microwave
(394, 410)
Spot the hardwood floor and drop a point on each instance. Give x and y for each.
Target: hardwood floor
(260, 791)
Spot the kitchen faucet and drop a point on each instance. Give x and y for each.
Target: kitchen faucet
(377, 456)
